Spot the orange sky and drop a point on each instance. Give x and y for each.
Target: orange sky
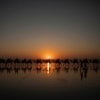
(53, 54)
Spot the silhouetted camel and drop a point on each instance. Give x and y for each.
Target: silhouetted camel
(81, 62)
(46, 61)
(2, 60)
(95, 62)
(85, 62)
(17, 62)
(9, 61)
(29, 62)
(66, 61)
(24, 61)
(57, 61)
(39, 61)
(75, 61)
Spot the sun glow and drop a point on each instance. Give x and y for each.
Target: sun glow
(48, 57)
(47, 54)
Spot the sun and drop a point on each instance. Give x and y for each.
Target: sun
(48, 57)
(48, 54)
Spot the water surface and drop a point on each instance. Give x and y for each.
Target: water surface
(50, 81)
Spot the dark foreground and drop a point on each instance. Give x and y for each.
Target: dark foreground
(50, 81)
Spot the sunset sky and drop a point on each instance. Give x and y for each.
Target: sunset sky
(55, 28)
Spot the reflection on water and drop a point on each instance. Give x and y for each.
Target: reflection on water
(48, 68)
(56, 80)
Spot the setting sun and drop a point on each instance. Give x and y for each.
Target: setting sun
(48, 57)
(48, 54)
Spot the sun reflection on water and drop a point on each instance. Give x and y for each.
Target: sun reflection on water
(48, 68)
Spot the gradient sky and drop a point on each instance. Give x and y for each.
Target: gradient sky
(59, 28)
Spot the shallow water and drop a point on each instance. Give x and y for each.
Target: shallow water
(50, 81)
